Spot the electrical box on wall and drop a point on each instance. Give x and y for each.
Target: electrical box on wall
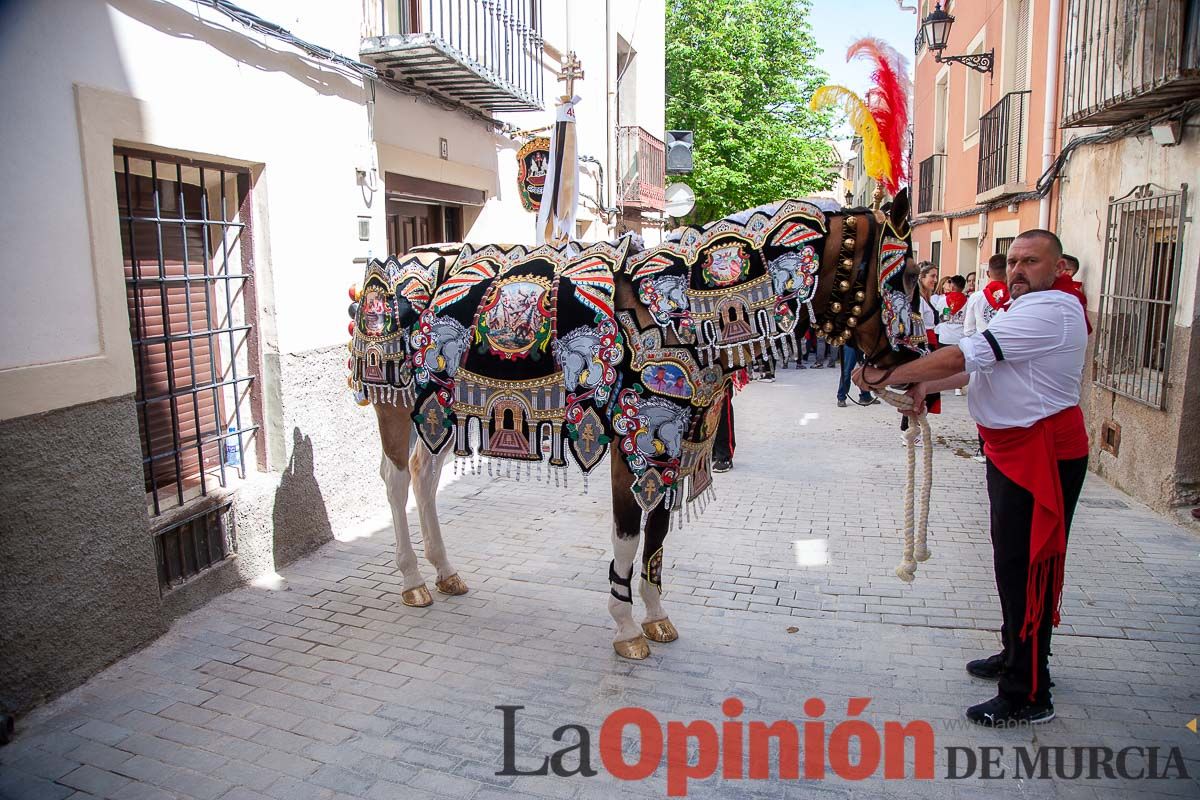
(364, 229)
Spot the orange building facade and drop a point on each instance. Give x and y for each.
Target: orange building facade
(979, 139)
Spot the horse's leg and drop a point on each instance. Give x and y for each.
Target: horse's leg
(395, 432)
(627, 517)
(426, 469)
(656, 626)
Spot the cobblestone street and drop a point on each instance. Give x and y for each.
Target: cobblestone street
(783, 591)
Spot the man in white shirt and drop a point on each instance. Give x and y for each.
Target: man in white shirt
(983, 305)
(1025, 373)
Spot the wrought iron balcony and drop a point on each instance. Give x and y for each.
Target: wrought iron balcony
(1003, 140)
(482, 53)
(931, 183)
(1128, 58)
(641, 162)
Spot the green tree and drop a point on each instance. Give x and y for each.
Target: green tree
(740, 74)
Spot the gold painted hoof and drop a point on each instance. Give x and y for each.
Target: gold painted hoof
(452, 585)
(417, 598)
(660, 630)
(636, 648)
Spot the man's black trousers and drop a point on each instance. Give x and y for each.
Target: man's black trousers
(1012, 515)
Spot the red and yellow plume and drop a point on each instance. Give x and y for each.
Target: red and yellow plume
(877, 163)
(887, 101)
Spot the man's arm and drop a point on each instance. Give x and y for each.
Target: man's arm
(944, 363)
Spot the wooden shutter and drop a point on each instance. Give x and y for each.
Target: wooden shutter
(191, 419)
(1020, 48)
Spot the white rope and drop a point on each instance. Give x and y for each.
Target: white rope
(922, 547)
(916, 546)
(907, 568)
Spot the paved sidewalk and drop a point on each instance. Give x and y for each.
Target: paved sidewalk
(333, 689)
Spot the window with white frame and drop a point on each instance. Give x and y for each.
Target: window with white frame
(973, 105)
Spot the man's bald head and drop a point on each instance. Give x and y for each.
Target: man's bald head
(1046, 236)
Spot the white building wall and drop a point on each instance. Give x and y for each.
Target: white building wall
(207, 86)
(1096, 173)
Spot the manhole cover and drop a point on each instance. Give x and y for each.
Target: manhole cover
(1096, 503)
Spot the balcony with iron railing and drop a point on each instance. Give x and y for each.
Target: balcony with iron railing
(1003, 141)
(641, 176)
(1128, 58)
(482, 53)
(931, 183)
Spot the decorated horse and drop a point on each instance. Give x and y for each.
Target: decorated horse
(547, 358)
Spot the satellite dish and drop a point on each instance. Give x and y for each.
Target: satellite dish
(680, 199)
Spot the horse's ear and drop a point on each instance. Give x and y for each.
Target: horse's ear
(898, 213)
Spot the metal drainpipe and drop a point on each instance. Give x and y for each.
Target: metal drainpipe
(1051, 109)
(610, 147)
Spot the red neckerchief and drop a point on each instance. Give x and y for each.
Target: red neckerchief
(955, 301)
(996, 293)
(1029, 458)
(1065, 283)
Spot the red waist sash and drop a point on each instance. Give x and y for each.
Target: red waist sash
(1029, 458)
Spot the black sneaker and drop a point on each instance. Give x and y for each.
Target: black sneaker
(990, 668)
(722, 465)
(841, 403)
(1000, 712)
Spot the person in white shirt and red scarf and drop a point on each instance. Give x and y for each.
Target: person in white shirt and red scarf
(1025, 373)
(982, 306)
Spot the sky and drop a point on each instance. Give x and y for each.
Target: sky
(837, 23)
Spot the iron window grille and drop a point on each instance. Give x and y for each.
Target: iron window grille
(187, 248)
(935, 253)
(931, 182)
(187, 548)
(1003, 243)
(1142, 254)
(1124, 59)
(1003, 138)
(485, 53)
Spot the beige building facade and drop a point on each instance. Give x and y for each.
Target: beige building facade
(187, 200)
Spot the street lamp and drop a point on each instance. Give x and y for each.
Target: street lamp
(936, 28)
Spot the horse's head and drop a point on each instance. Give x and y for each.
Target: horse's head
(884, 320)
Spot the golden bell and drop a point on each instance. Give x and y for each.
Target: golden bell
(820, 334)
(859, 295)
(851, 322)
(851, 222)
(847, 262)
(835, 307)
(828, 327)
(848, 242)
(844, 285)
(856, 311)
